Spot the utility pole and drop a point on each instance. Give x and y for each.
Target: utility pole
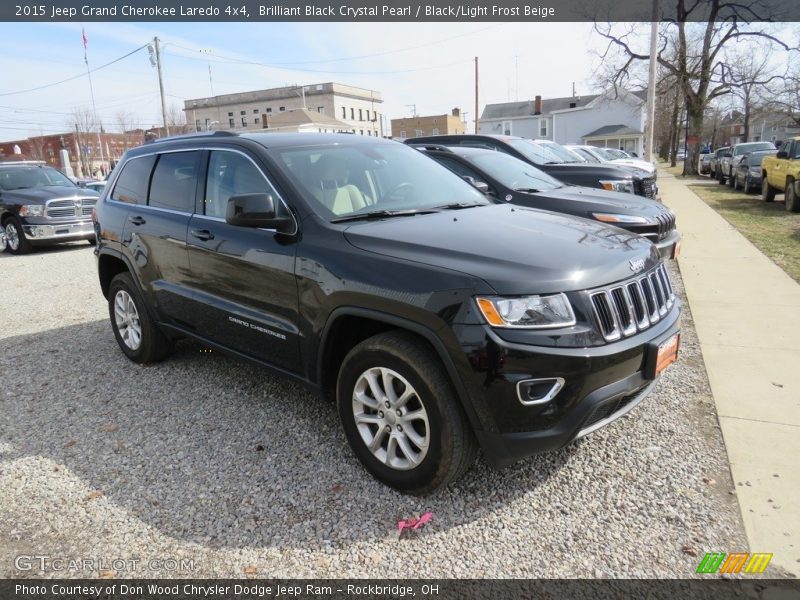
(651, 87)
(477, 119)
(91, 91)
(161, 86)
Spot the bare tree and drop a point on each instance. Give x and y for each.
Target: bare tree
(126, 122)
(750, 73)
(698, 63)
(82, 121)
(176, 119)
(785, 96)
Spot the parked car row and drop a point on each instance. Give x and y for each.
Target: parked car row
(441, 317)
(759, 167)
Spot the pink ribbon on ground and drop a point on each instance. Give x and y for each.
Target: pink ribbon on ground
(414, 523)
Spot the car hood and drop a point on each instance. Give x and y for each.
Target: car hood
(588, 200)
(516, 250)
(639, 164)
(609, 172)
(40, 195)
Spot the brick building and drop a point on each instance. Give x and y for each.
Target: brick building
(432, 125)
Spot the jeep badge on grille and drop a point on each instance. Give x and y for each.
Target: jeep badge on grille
(636, 265)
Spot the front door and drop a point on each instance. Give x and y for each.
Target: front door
(244, 286)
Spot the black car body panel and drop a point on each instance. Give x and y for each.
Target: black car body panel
(284, 300)
(583, 174)
(573, 200)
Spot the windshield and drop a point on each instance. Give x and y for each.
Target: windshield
(345, 180)
(745, 148)
(559, 150)
(515, 174)
(615, 153)
(536, 153)
(24, 177)
(756, 157)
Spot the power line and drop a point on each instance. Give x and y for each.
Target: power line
(361, 56)
(41, 87)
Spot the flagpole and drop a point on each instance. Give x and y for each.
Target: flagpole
(91, 91)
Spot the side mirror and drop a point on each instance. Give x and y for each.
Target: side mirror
(254, 210)
(481, 186)
(782, 154)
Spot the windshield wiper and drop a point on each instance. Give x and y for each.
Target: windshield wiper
(527, 190)
(382, 214)
(457, 205)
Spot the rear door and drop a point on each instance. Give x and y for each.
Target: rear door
(155, 234)
(244, 285)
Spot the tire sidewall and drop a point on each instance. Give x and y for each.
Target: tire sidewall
(24, 246)
(412, 479)
(790, 197)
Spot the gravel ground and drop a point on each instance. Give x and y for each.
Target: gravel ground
(211, 460)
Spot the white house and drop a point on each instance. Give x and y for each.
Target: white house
(606, 120)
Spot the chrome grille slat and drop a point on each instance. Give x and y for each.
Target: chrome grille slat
(67, 207)
(625, 309)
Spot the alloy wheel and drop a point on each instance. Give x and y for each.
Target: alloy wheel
(127, 320)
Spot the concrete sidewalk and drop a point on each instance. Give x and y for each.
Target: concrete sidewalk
(747, 314)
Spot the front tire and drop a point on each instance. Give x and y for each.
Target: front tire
(400, 415)
(736, 185)
(720, 178)
(791, 198)
(747, 188)
(767, 191)
(16, 242)
(137, 334)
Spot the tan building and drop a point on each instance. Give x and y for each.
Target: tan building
(434, 125)
(359, 108)
(303, 120)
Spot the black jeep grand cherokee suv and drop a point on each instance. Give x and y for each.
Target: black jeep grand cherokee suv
(439, 321)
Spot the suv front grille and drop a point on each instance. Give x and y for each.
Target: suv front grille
(635, 305)
(646, 187)
(70, 207)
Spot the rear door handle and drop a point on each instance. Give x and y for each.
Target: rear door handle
(137, 220)
(202, 234)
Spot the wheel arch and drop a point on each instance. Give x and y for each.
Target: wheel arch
(109, 265)
(337, 339)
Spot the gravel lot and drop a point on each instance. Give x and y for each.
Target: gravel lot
(210, 459)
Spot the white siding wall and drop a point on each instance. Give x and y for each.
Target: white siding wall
(572, 126)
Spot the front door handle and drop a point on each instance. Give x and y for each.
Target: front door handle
(137, 220)
(202, 234)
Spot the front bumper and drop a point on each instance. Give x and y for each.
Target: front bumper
(600, 384)
(669, 247)
(64, 232)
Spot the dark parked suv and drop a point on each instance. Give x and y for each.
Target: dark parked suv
(507, 178)
(439, 321)
(556, 162)
(39, 206)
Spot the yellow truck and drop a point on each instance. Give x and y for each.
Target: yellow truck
(781, 173)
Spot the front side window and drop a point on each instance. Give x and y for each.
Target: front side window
(344, 180)
(515, 174)
(131, 186)
(174, 181)
(536, 153)
(231, 174)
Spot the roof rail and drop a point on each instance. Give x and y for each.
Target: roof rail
(198, 134)
(429, 146)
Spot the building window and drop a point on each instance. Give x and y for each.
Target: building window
(321, 110)
(352, 114)
(244, 121)
(281, 108)
(369, 133)
(360, 115)
(197, 125)
(269, 110)
(255, 111)
(230, 114)
(243, 112)
(435, 131)
(208, 124)
(362, 132)
(257, 120)
(344, 112)
(542, 127)
(403, 133)
(231, 123)
(506, 127)
(418, 132)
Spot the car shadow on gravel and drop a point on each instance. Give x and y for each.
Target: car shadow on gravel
(51, 250)
(216, 451)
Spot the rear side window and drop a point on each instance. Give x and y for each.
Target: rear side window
(459, 169)
(175, 181)
(131, 186)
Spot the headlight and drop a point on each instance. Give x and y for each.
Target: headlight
(31, 210)
(624, 219)
(532, 312)
(618, 185)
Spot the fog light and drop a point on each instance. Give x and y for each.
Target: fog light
(532, 392)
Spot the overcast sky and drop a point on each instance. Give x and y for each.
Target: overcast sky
(429, 65)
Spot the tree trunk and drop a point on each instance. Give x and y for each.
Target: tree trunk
(746, 135)
(696, 112)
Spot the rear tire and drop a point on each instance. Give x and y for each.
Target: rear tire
(720, 178)
(730, 179)
(767, 191)
(16, 242)
(791, 198)
(137, 334)
(736, 185)
(400, 415)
